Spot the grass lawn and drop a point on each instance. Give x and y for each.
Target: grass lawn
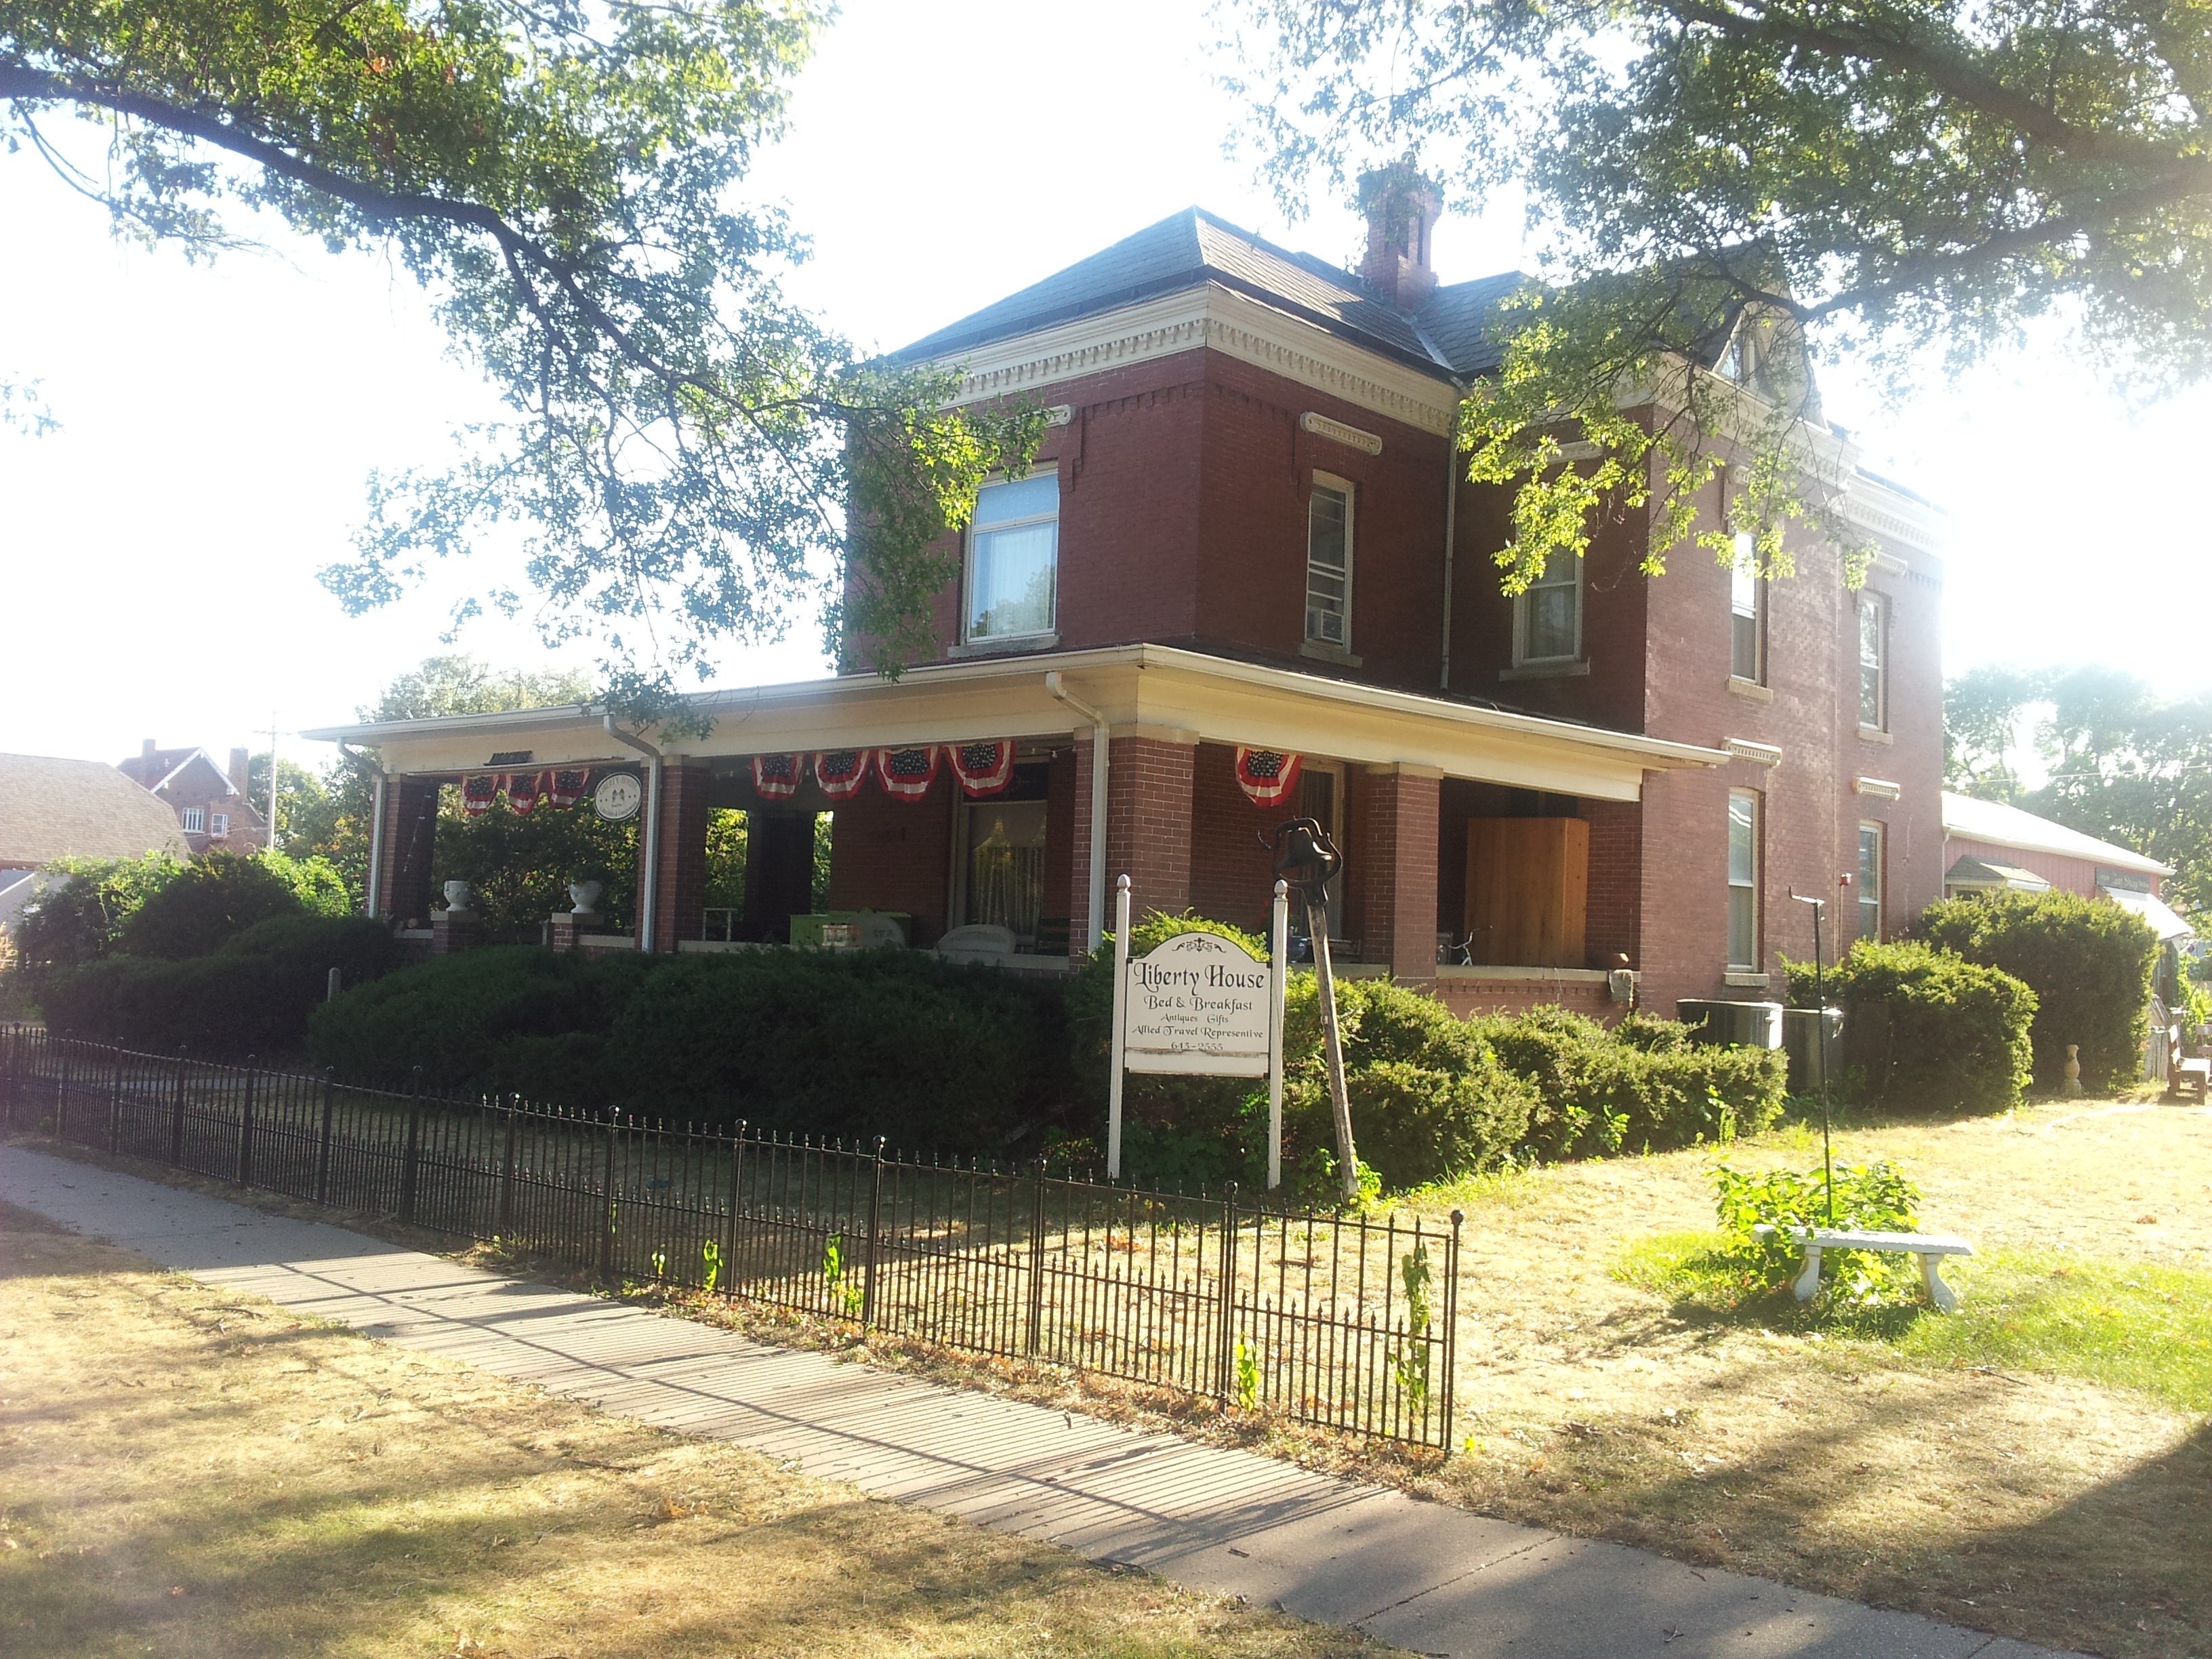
(185, 1471)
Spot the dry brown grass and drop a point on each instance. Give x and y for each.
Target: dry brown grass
(186, 1471)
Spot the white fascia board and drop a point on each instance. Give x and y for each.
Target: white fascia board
(1209, 315)
(2097, 852)
(1214, 699)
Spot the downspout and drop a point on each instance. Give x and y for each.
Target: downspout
(1451, 546)
(648, 900)
(376, 830)
(1095, 929)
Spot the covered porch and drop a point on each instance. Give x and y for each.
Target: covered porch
(1491, 855)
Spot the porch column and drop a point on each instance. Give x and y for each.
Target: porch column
(1148, 811)
(1392, 872)
(405, 837)
(681, 898)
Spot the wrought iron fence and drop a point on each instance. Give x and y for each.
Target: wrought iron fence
(1346, 1322)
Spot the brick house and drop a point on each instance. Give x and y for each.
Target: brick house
(1243, 534)
(213, 806)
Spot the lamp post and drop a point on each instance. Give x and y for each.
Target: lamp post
(1307, 860)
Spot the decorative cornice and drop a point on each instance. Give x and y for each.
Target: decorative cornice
(1883, 511)
(1876, 788)
(1337, 432)
(1214, 318)
(1759, 754)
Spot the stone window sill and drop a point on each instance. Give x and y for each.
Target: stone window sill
(1013, 646)
(1546, 671)
(1744, 982)
(1322, 651)
(1750, 689)
(1874, 734)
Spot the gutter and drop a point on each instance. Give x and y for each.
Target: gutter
(1451, 543)
(648, 902)
(1095, 930)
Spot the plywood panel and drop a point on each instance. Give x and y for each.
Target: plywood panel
(1528, 891)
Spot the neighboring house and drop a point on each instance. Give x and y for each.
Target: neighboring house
(52, 809)
(212, 805)
(1244, 558)
(1988, 847)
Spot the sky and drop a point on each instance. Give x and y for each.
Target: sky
(219, 422)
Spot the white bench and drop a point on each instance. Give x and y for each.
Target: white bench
(1930, 1248)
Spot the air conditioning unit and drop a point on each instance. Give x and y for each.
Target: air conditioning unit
(1736, 1025)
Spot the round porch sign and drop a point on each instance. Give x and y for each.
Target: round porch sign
(1198, 1004)
(617, 796)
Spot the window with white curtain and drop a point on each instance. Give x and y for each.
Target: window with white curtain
(1013, 559)
(1547, 619)
(1743, 880)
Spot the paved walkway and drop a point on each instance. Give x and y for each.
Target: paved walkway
(1423, 1576)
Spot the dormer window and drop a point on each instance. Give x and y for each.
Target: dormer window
(1013, 559)
(1328, 562)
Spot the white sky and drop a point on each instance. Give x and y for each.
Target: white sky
(157, 555)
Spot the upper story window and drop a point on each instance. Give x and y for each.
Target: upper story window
(1871, 881)
(219, 823)
(1328, 562)
(1743, 880)
(1746, 614)
(1013, 558)
(195, 820)
(1874, 662)
(1547, 619)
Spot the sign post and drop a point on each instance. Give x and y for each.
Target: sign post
(1196, 1007)
(1279, 944)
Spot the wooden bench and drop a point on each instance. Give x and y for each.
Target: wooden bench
(2192, 1078)
(1930, 1248)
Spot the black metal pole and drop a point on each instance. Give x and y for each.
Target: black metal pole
(1821, 1050)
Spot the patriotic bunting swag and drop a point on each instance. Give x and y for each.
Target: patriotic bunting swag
(907, 774)
(1266, 775)
(478, 793)
(569, 788)
(841, 771)
(776, 776)
(523, 790)
(983, 769)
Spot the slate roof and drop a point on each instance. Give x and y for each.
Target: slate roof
(1194, 247)
(52, 808)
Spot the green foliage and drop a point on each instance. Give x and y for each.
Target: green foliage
(1931, 1031)
(1409, 1362)
(726, 843)
(837, 1274)
(217, 896)
(1868, 1198)
(307, 814)
(1247, 1376)
(519, 865)
(2088, 962)
(1644, 1086)
(253, 994)
(928, 1053)
(80, 918)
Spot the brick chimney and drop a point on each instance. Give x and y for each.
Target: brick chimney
(146, 749)
(239, 771)
(1401, 207)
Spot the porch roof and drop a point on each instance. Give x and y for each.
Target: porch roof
(1149, 690)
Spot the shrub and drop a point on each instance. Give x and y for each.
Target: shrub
(1930, 1028)
(253, 995)
(2088, 962)
(216, 898)
(80, 917)
(1868, 1198)
(1644, 1086)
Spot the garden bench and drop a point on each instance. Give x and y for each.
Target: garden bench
(2192, 1077)
(1930, 1248)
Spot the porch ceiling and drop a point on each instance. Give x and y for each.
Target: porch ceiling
(1157, 689)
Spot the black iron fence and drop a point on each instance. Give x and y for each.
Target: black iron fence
(1340, 1321)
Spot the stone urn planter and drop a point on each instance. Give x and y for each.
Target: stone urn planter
(584, 897)
(457, 896)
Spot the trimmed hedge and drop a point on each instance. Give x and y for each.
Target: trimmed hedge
(1644, 1086)
(1929, 1030)
(2088, 962)
(253, 995)
(219, 896)
(927, 1053)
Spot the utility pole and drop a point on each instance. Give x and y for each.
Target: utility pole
(272, 783)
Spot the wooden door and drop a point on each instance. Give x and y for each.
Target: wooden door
(1528, 891)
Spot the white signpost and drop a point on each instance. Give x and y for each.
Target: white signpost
(1197, 1006)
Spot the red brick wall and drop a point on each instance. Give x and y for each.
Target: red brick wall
(1613, 925)
(1232, 874)
(1393, 881)
(681, 896)
(892, 854)
(1148, 823)
(409, 830)
(1517, 996)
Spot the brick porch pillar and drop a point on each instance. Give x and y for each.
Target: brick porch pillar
(1148, 811)
(405, 840)
(1392, 872)
(681, 896)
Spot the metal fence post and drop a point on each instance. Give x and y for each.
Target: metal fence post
(115, 1105)
(729, 1274)
(245, 1131)
(62, 1089)
(611, 1214)
(323, 1141)
(1225, 1336)
(1451, 1325)
(1034, 1332)
(507, 1170)
(410, 1163)
(875, 1227)
(177, 1114)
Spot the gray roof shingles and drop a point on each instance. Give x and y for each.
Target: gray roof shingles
(51, 808)
(1446, 337)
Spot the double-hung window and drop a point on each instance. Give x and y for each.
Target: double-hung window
(195, 820)
(219, 823)
(1013, 559)
(1874, 662)
(1870, 837)
(1746, 614)
(1328, 562)
(1547, 619)
(1743, 880)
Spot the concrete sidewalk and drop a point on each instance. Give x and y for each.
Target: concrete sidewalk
(1422, 1575)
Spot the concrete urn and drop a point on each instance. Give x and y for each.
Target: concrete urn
(584, 897)
(457, 896)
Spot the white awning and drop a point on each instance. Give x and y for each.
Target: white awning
(2154, 910)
